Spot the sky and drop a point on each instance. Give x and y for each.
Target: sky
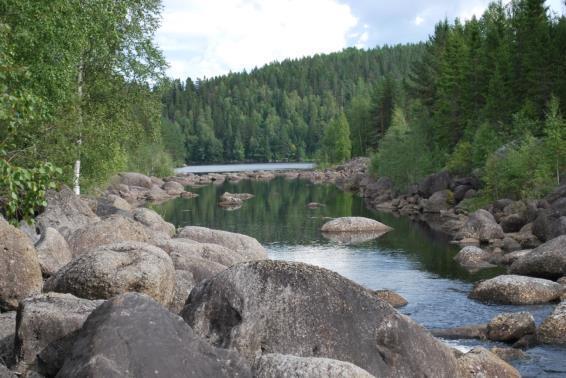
(206, 38)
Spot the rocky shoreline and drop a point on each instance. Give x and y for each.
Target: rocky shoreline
(104, 287)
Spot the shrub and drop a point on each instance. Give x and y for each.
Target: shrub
(151, 160)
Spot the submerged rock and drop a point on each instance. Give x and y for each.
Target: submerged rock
(280, 365)
(553, 328)
(20, 272)
(546, 261)
(472, 331)
(391, 297)
(114, 269)
(268, 306)
(472, 257)
(132, 335)
(512, 289)
(354, 224)
(246, 246)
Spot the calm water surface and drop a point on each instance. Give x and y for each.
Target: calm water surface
(413, 260)
(244, 167)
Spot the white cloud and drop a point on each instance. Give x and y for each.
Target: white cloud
(419, 20)
(207, 38)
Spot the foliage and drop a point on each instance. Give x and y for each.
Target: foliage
(336, 141)
(555, 139)
(151, 160)
(461, 160)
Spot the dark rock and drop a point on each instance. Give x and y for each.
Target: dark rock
(474, 331)
(512, 289)
(292, 308)
(246, 246)
(435, 183)
(526, 342)
(438, 201)
(551, 223)
(112, 204)
(115, 269)
(553, 328)
(526, 238)
(20, 272)
(53, 252)
(7, 333)
(481, 225)
(509, 354)
(480, 362)
(5, 373)
(281, 365)
(546, 261)
(512, 223)
(132, 335)
(460, 192)
(65, 212)
(510, 258)
(43, 320)
(500, 204)
(511, 326)
(510, 244)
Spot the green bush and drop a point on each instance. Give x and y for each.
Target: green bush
(151, 160)
(461, 160)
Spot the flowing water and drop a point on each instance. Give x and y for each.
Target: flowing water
(412, 260)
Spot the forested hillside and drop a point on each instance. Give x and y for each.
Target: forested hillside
(281, 111)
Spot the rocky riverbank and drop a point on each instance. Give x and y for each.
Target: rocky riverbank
(96, 288)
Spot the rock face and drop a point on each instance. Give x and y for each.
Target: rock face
(132, 335)
(547, 260)
(472, 257)
(511, 327)
(354, 224)
(512, 289)
(113, 229)
(248, 247)
(115, 269)
(53, 251)
(292, 308)
(480, 362)
(481, 225)
(212, 252)
(553, 329)
(46, 319)
(20, 273)
(153, 221)
(65, 212)
(7, 332)
(279, 365)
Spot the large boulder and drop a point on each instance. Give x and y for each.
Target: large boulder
(480, 363)
(516, 290)
(173, 188)
(207, 251)
(553, 328)
(44, 320)
(53, 251)
(20, 272)
(280, 365)
(113, 229)
(246, 246)
(132, 335)
(153, 221)
(201, 269)
(354, 224)
(472, 257)
(184, 283)
(133, 179)
(439, 201)
(7, 333)
(435, 183)
(65, 212)
(551, 223)
(547, 261)
(112, 204)
(114, 269)
(481, 225)
(511, 326)
(268, 306)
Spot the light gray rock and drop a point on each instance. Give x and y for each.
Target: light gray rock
(481, 225)
(553, 328)
(113, 229)
(20, 273)
(133, 336)
(133, 179)
(5, 373)
(511, 327)
(280, 365)
(153, 221)
(207, 251)
(53, 252)
(546, 261)
(173, 188)
(246, 246)
(280, 307)
(513, 289)
(354, 224)
(112, 204)
(200, 269)
(7, 333)
(481, 363)
(184, 283)
(46, 319)
(114, 269)
(472, 257)
(65, 212)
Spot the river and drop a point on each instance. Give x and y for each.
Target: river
(412, 260)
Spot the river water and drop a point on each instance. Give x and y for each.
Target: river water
(244, 167)
(412, 260)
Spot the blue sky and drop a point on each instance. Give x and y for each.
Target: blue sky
(213, 37)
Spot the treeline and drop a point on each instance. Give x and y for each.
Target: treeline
(75, 85)
(292, 110)
(485, 100)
